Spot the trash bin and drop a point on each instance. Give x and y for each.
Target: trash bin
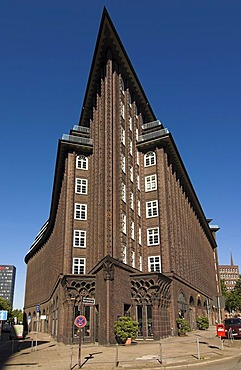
(220, 330)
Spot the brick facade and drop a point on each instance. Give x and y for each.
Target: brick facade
(133, 237)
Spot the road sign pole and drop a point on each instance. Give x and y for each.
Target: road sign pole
(80, 333)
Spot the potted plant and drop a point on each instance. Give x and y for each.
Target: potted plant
(202, 323)
(125, 329)
(182, 326)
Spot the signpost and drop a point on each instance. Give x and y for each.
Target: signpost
(3, 315)
(80, 321)
(38, 311)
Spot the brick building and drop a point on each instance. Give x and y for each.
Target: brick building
(229, 274)
(126, 229)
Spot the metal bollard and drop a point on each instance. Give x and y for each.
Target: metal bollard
(116, 355)
(198, 349)
(160, 352)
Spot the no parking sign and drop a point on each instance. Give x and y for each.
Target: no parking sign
(80, 321)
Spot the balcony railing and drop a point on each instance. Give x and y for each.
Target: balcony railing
(77, 139)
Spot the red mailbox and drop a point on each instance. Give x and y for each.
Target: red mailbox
(220, 330)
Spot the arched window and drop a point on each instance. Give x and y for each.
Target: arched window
(82, 162)
(122, 85)
(150, 159)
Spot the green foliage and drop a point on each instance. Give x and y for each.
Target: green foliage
(183, 326)
(5, 305)
(125, 328)
(202, 323)
(18, 314)
(233, 298)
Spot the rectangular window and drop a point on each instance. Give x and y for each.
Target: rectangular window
(123, 163)
(140, 262)
(138, 182)
(132, 258)
(152, 208)
(150, 183)
(140, 235)
(80, 238)
(130, 123)
(132, 230)
(137, 158)
(124, 192)
(132, 200)
(81, 186)
(139, 207)
(123, 136)
(124, 223)
(131, 147)
(122, 110)
(124, 255)
(153, 236)
(80, 211)
(154, 264)
(78, 266)
(131, 174)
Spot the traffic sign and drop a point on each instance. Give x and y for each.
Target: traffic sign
(88, 301)
(38, 308)
(3, 315)
(80, 321)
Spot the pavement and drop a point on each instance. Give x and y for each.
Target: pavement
(198, 347)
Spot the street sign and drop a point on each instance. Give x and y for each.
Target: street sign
(3, 315)
(38, 308)
(88, 301)
(80, 321)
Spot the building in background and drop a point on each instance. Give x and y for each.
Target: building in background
(229, 274)
(126, 234)
(7, 282)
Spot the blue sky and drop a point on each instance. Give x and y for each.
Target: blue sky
(187, 55)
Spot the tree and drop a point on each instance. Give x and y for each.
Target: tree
(18, 314)
(5, 305)
(233, 297)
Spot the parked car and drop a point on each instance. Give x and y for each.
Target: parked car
(233, 327)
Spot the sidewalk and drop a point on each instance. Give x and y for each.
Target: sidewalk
(198, 347)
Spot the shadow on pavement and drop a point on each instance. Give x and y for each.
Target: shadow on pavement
(9, 347)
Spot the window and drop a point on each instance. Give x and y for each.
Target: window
(150, 183)
(82, 162)
(132, 200)
(80, 238)
(123, 192)
(153, 236)
(137, 134)
(123, 136)
(122, 110)
(78, 266)
(149, 159)
(131, 147)
(124, 255)
(131, 174)
(137, 158)
(129, 98)
(81, 186)
(80, 211)
(138, 182)
(123, 163)
(122, 86)
(140, 263)
(124, 223)
(139, 207)
(154, 264)
(151, 208)
(130, 123)
(132, 230)
(140, 235)
(132, 258)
